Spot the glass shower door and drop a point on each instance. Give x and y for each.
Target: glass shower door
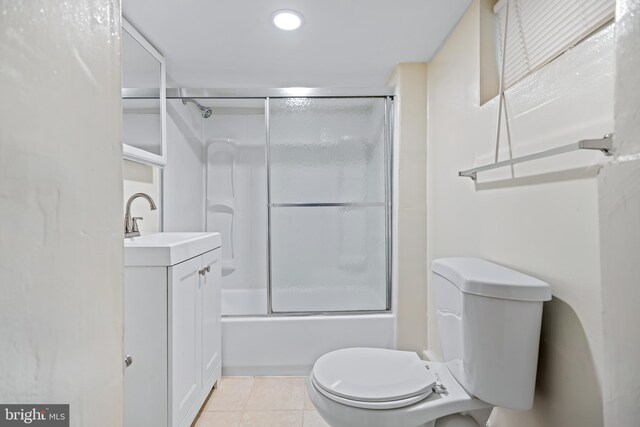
(328, 204)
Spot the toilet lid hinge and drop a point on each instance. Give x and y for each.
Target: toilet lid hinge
(439, 388)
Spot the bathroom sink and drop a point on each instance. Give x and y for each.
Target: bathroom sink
(163, 249)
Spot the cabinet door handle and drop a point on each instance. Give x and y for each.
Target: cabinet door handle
(202, 272)
(128, 360)
(208, 268)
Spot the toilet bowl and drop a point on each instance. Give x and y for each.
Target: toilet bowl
(373, 387)
(489, 320)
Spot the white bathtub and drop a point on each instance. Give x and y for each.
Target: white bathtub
(289, 345)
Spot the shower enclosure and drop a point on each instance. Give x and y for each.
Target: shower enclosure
(328, 204)
(298, 182)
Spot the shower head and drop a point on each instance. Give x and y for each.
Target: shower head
(204, 111)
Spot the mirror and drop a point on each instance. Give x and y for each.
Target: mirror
(143, 103)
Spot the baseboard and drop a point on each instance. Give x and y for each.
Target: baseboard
(269, 371)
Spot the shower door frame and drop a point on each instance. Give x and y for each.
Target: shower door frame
(388, 159)
(387, 93)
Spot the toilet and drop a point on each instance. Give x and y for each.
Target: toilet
(489, 320)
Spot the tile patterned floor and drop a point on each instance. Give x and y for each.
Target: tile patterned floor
(260, 402)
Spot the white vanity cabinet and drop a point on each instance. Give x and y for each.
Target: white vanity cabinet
(172, 326)
(195, 336)
(212, 318)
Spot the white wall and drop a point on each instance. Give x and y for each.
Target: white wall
(61, 311)
(619, 188)
(410, 205)
(184, 175)
(544, 219)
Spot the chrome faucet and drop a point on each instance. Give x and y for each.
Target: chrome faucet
(131, 224)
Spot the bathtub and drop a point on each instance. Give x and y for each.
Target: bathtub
(289, 345)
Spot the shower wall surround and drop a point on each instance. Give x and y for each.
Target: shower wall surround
(236, 196)
(328, 223)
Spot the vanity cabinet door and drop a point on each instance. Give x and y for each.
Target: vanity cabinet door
(211, 311)
(145, 340)
(185, 342)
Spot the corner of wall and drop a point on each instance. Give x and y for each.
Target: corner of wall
(410, 292)
(489, 75)
(619, 203)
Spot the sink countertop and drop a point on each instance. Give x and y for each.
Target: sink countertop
(166, 249)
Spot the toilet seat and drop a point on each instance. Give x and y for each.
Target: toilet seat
(392, 404)
(373, 378)
(352, 413)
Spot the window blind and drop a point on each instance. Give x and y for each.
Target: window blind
(540, 30)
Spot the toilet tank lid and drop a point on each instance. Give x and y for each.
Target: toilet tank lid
(481, 277)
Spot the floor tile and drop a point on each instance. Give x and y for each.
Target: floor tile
(231, 395)
(271, 419)
(219, 419)
(276, 394)
(313, 419)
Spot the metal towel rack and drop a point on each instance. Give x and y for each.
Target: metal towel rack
(604, 144)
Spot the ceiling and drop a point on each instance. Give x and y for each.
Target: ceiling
(342, 43)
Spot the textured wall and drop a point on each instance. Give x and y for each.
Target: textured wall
(619, 189)
(628, 79)
(543, 218)
(61, 313)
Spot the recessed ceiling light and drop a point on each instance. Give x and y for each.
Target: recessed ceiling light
(287, 19)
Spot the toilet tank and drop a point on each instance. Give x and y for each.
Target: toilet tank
(489, 321)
